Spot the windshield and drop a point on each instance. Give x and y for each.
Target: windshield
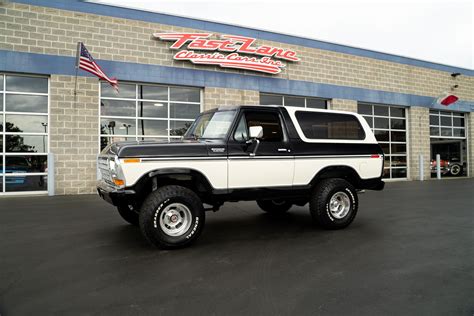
(211, 125)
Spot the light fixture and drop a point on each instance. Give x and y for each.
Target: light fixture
(158, 104)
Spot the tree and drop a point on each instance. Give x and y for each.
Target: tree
(15, 142)
(180, 131)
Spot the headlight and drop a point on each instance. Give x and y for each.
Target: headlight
(116, 172)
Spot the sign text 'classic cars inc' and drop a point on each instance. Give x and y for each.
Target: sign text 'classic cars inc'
(266, 59)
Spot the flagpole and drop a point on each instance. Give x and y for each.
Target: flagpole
(78, 54)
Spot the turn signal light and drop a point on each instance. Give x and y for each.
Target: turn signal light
(119, 182)
(131, 160)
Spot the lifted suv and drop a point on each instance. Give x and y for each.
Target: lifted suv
(278, 156)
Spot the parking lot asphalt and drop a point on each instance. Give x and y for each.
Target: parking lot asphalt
(410, 251)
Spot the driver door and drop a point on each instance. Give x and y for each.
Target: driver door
(273, 163)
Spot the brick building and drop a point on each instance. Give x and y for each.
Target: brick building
(44, 124)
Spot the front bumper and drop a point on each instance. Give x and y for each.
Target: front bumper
(113, 195)
(443, 170)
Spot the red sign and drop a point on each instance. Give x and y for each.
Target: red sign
(447, 98)
(265, 58)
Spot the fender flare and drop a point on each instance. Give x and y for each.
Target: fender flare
(166, 172)
(337, 171)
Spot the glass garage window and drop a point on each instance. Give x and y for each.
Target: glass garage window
(390, 129)
(23, 133)
(447, 124)
(146, 111)
(288, 100)
(448, 138)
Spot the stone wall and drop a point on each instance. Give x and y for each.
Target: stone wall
(344, 105)
(43, 30)
(74, 130)
(215, 97)
(418, 142)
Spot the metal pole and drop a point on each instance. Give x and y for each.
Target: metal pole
(422, 171)
(438, 166)
(78, 54)
(51, 172)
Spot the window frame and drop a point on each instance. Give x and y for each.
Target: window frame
(389, 142)
(138, 118)
(283, 96)
(322, 140)
(355, 118)
(4, 92)
(439, 115)
(452, 115)
(241, 115)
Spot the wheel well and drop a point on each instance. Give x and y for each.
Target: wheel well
(189, 178)
(344, 172)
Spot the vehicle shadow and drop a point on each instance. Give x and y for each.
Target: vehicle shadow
(238, 226)
(259, 226)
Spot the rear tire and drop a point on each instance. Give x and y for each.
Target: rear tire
(274, 206)
(171, 217)
(128, 214)
(334, 203)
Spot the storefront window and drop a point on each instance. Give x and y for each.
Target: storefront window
(23, 133)
(145, 112)
(287, 100)
(448, 140)
(389, 126)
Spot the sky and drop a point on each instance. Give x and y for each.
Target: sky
(431, 30)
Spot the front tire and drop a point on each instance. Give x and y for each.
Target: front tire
(334, 203)
(171, 217)
(128, 214)
(274, 206)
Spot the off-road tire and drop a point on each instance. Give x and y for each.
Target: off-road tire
(156, 203)
(274, 206)
(128, 214)
(319, 204)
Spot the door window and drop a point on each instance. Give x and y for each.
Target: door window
(269, 121)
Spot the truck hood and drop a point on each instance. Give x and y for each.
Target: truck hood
(162, 149)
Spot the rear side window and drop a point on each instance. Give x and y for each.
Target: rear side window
(318, 125)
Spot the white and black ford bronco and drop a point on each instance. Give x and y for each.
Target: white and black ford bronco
(278, 156)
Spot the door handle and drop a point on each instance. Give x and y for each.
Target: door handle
(283, 150)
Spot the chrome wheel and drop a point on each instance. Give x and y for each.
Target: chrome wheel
(339, 205)
(455, 170)
(175, 219)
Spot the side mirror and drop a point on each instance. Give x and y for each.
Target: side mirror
(255, 132)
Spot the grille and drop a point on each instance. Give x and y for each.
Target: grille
(104, 170)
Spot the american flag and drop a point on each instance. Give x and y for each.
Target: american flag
(87, 63)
